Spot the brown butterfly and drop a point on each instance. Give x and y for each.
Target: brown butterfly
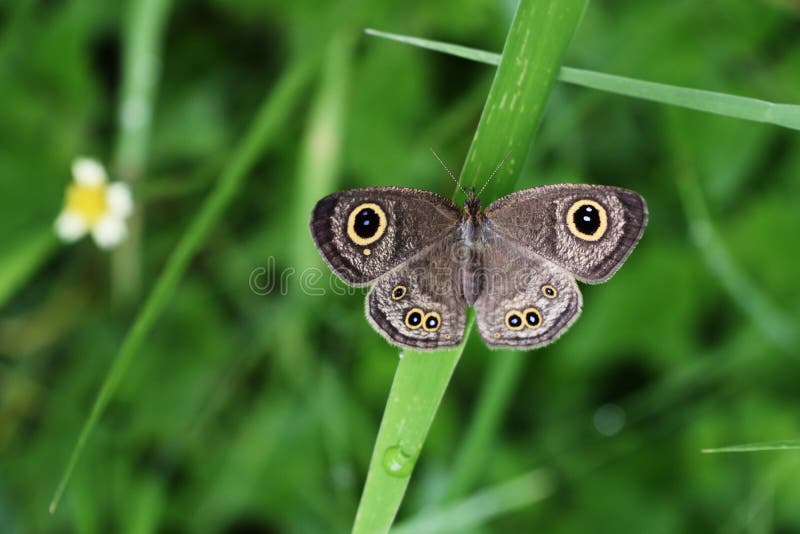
(516, 261)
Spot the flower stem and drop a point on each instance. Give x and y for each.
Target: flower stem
(141, 67)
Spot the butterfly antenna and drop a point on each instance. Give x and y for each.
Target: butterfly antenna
(489, 179)
(449, 172)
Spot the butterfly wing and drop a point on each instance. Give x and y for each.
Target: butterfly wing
(364, 233)
(421, 304)
(525, 300)
(589, 230)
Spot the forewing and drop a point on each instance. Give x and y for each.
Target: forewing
(404, 222)
(525, 300)
(421, 304)
(589, 230)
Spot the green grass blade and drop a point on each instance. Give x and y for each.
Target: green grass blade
(417, 390)
(476, 510)
(274, 112)
(466, 52)
(141, 63)
(524, 78)
(738, 107)
(752, 109)
(785, 445)
(534, 48)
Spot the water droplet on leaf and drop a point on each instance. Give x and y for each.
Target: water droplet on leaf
(397, 462)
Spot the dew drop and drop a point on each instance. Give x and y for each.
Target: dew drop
(397, 462)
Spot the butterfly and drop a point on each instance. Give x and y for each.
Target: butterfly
(515, 262)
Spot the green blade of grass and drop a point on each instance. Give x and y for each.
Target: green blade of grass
(539, 35)
(785, 445)
(417, 390)
(141, 63)
(752, 109)
(274, 112)
(481, 507)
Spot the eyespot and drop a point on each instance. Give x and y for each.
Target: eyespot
(587, 220)
(533, 318)
(432, 322)
(414, 318)
(366, 224)
(549, 291)
(399, 292)
(514, 320)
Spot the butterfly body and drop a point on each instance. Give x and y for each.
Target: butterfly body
(515, 262)
(472, 234)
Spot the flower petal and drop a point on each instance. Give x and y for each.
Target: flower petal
(89, 172)
(119, 200)
(70, 226)
(109, 231)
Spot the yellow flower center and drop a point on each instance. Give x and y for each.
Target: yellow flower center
(89, 202)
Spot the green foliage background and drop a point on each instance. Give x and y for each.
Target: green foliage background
(247, 411)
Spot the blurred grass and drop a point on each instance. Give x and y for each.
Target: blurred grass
(477, 509)
(317, 173)
(779, 328)
(214, 429)
(141, 60)
(477, 445)
(274, 111)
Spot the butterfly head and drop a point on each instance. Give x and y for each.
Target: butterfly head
(472, 206)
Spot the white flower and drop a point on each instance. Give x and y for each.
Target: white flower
(93, 205)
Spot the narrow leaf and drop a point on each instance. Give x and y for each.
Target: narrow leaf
(786, 445)
(740, 107)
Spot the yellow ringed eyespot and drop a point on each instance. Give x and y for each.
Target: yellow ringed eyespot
(399, 292)
(432, 322)
(414, 318)
(366, 224)
(587, 220)
(514, 320)
(549, 291)
(533, 317)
